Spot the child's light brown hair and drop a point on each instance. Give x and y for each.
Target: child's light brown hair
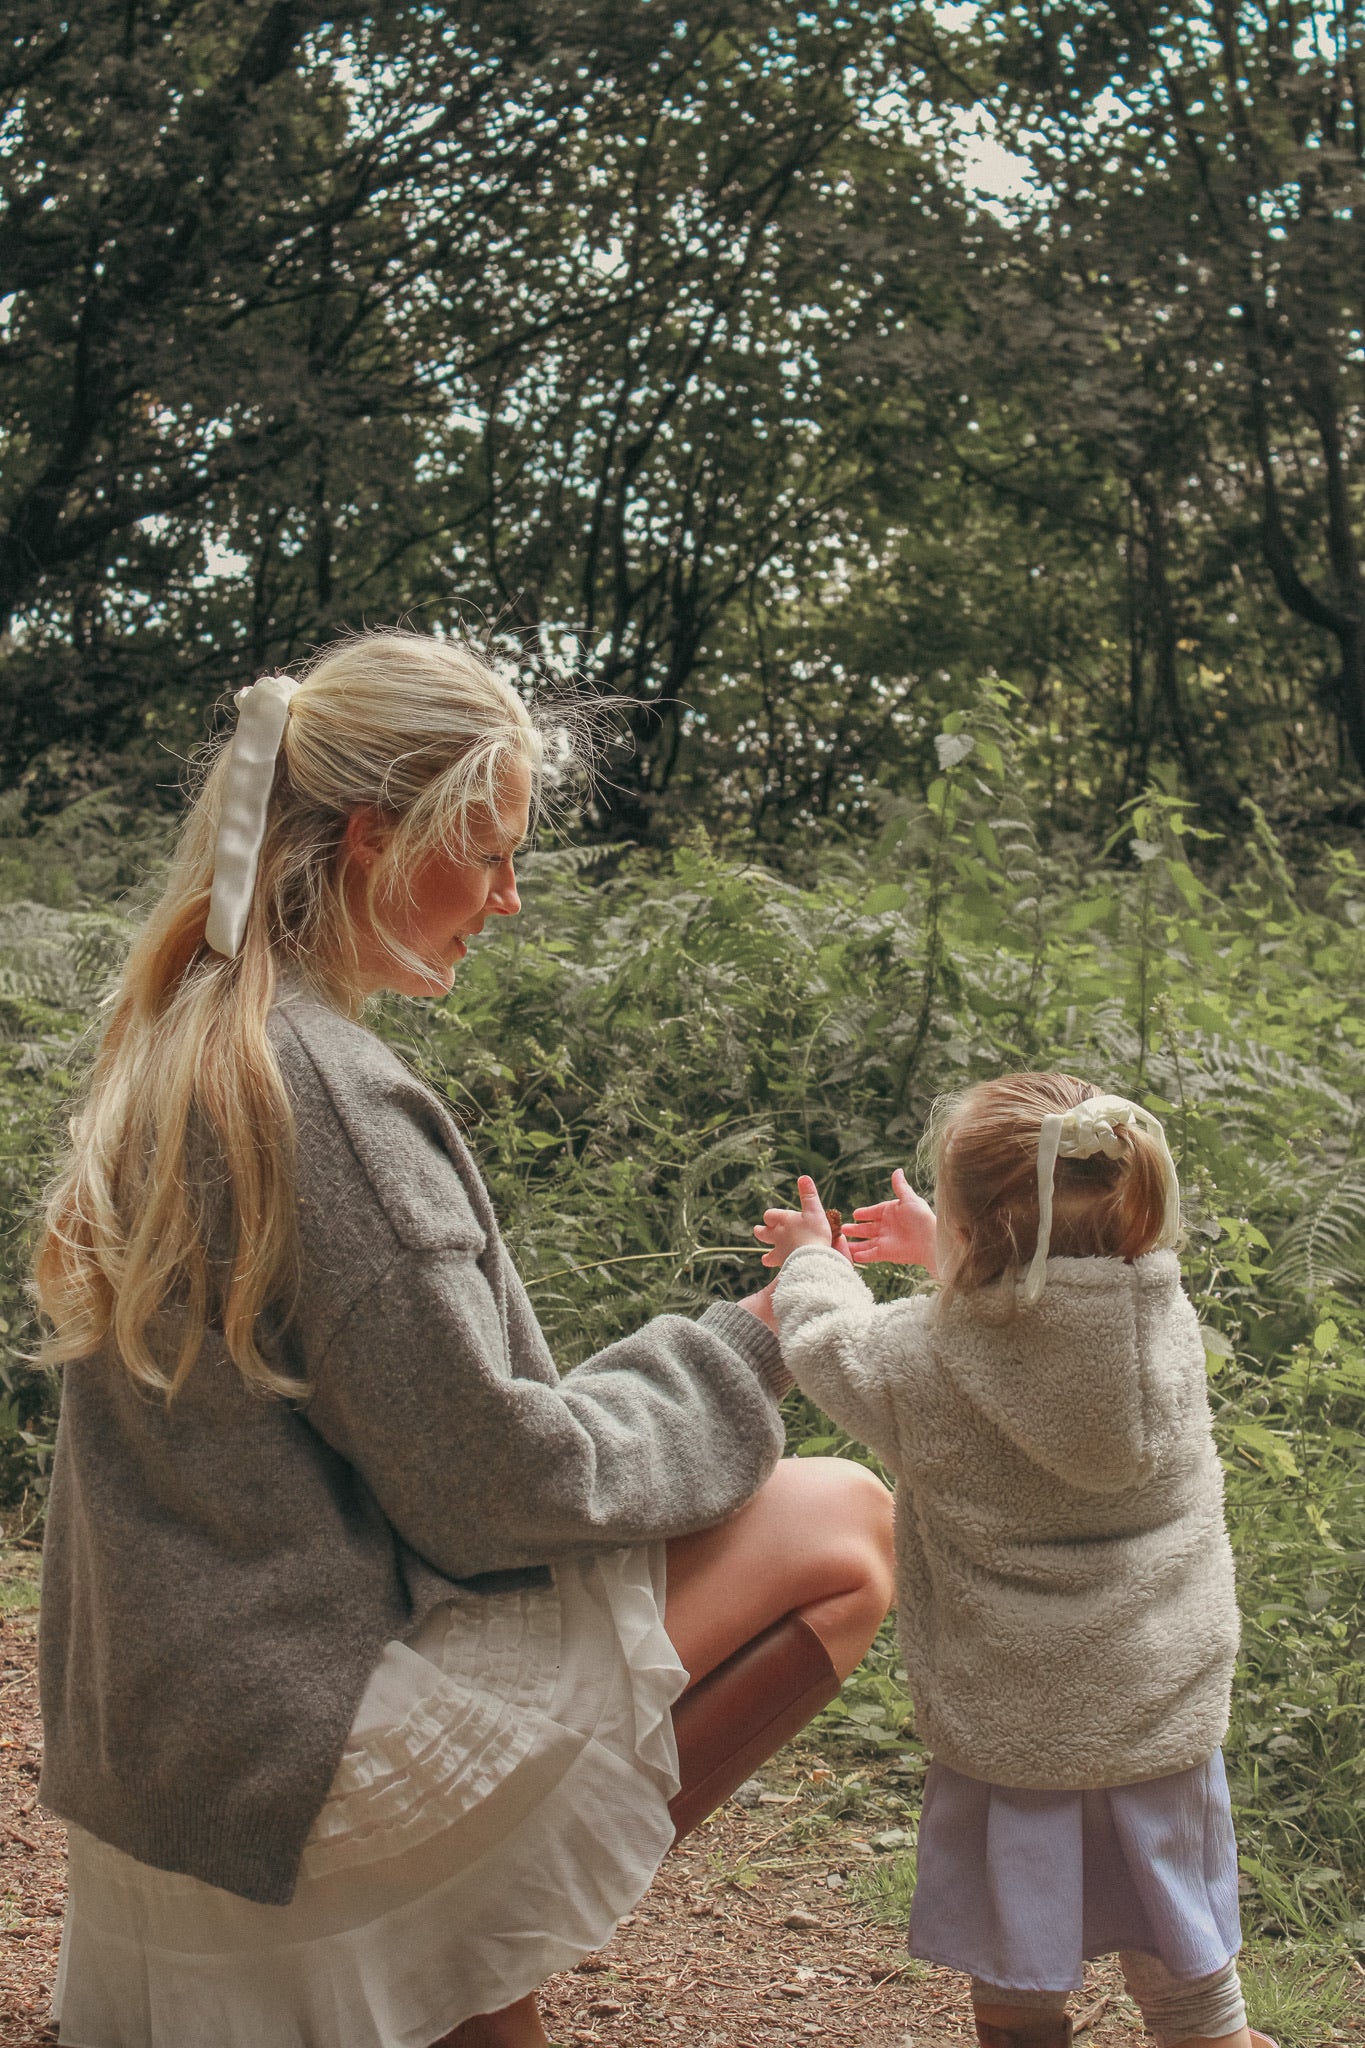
(982, 1147)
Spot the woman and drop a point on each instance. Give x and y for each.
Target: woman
(362, 1630)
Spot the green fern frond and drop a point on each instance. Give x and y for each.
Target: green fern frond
(64, 958)
(555, 863)
(1225, 1068)
(1324, 1247)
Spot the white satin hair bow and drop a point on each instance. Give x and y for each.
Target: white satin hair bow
(262, 709)
(1079, 1134)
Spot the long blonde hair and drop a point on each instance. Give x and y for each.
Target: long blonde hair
(424, 732)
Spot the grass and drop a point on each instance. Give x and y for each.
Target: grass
(740, 1873)
(1296, 1993)
(885, 1888)
(19, 1582)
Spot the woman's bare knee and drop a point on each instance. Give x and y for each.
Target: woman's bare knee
(856, 1515)
(816, 1538)
(847, 1624)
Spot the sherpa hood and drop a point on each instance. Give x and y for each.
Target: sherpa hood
(1093, 1383)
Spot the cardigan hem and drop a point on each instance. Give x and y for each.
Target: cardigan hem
(217, 1841)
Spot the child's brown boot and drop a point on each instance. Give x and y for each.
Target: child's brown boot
(1040, 2033)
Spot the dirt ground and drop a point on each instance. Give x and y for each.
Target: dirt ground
(752, 1933)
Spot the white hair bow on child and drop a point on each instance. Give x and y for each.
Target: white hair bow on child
(262, 710)
(1080, 1133)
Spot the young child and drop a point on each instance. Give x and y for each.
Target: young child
(1064, 1579)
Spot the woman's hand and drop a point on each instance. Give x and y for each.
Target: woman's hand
(901, 1232)
(761, 1305)
(784, 1229)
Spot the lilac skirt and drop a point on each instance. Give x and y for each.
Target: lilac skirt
(1019, 1888)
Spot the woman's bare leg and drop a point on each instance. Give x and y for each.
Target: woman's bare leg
(814, 1540)
(769, 1612)
(516, 2026)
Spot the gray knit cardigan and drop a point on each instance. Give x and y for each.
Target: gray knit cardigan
(1064, 1581)
(221, 1576)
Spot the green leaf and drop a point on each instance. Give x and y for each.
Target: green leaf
(1205, 1017)
(1183, 877)
(887, 896)
(1090, 911)
(1264, 1444)
(953, 748)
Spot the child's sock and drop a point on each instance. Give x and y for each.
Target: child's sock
(1047, 2004)
(1178, 2008)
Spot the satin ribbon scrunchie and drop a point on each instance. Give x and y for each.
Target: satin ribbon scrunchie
(262, 709)
(1079, 1134)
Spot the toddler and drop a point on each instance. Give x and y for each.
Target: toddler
(1064, 1579)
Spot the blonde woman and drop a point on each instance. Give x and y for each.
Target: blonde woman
(380, 1665)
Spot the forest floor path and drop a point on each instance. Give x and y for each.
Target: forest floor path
(757, 1931)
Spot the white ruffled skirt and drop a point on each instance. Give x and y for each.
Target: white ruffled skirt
(502, 1801)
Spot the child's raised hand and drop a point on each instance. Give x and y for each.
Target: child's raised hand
(784, 1229)
(901, 1232)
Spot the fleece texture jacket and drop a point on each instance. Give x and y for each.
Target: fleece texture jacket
(1065, 1585)
(221, 1575)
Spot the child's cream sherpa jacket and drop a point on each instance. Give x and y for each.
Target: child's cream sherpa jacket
(1064, 1578)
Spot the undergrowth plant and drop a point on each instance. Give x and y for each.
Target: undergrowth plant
(659, 1044)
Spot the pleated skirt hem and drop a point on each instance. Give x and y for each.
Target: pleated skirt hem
(430, 1923)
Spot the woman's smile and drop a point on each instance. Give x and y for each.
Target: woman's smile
(418, 911)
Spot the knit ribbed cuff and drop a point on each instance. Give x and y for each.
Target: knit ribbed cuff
(753, 1340)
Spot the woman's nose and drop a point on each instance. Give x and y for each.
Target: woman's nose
(503, 899)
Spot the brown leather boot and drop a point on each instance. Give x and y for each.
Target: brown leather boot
(1042, 2033)
(744, 1710)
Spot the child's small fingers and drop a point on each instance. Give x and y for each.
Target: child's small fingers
(900, 1183)
(762, 1233)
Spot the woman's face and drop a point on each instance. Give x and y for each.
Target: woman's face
(444, 902)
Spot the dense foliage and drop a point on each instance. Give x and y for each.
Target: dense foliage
(680, 345)
(661, 1042)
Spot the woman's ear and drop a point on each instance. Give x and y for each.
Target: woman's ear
(364, 836)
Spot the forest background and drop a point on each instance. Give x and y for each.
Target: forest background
(937, 432)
